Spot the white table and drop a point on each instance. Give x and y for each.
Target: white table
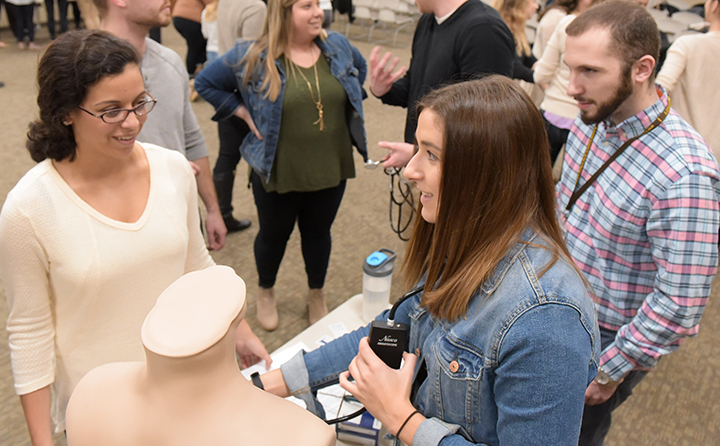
(349, 314)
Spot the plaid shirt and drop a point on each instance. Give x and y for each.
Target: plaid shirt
(645, 233)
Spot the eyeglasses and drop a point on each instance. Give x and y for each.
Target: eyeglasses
(120, 114)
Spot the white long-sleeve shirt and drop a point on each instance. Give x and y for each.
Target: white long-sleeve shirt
(79, 284)
(690, 76)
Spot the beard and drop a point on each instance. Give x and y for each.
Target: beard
(607, 108)
(150, 18)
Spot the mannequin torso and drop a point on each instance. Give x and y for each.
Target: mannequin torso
(180, 397)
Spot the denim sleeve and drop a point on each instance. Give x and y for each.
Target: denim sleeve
(360, 64)
(217, 84)
(306, 372)
(544, 366)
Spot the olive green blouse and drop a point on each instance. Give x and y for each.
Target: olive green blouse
(308, 159)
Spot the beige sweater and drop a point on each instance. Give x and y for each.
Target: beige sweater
(239, 19)
(79, 284)
(551, 69)
(545, 29)
(690, 74)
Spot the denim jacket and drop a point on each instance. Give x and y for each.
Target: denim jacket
(513, 371)
(221, 84)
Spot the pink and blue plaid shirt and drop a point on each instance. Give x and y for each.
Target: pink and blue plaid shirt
(645, 233)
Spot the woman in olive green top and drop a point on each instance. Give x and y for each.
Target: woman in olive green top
(300, 92)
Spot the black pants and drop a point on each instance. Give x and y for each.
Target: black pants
(192, 33)
(556, 136)
(156, 35)
(62, 11)
(277, 213)
(231, 133)
(10, 12)
(24, 26)
(597, 419)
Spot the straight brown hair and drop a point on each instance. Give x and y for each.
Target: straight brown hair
(496, 181)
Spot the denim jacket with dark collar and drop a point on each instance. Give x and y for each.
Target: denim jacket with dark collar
(221, 84)
(513, 371)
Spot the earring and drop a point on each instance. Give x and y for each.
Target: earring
(66, 122)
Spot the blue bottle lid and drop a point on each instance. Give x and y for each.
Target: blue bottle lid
(379, 263)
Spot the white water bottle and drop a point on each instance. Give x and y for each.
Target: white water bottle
(377, 279)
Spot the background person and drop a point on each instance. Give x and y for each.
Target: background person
(187, 21)
(303, 90)
(644, 232)
(549, 18)
(210, 31)
(62, 11)
(237, 19)
(92, 235)
(23, 11)
(516, 13)
(689, 75)
(173, 125)
(558, 109)
(455, 40)
(505, 330)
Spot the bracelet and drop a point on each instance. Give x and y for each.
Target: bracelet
(257, 381)
(406, 422)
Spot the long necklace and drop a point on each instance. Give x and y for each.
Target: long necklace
(318, 102)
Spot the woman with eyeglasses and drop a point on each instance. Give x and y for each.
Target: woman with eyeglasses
(92, 234)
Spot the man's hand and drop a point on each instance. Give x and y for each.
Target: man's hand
(216, 230)
(381, 75)
(400, 153)
(214, 224)
(195, 168)
(597, 393)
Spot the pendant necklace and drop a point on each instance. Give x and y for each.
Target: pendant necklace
(318, 103)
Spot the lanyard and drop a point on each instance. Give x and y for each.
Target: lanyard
(578, 192)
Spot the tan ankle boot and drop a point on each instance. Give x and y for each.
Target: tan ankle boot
(267, 313)
(316, 305)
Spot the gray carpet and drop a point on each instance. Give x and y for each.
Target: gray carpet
(676, 404)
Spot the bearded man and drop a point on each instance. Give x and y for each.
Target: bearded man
(638, 199)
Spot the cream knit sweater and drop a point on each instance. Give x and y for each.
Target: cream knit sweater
(79, 284)
(551, 69)
(690, 75)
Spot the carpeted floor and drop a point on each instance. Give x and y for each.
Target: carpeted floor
(677, 404)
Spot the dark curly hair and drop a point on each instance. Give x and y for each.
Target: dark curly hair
(72, 64)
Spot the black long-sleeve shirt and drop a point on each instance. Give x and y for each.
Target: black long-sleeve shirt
(472, 42)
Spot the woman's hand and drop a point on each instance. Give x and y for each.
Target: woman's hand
(249, 347)
(384, 391)
(382, 78)
(243, 113)
(400, 153)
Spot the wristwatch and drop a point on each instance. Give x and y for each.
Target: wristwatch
(603, 378)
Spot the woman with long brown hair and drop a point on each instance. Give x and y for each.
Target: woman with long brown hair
(502, 331)
(299, 89)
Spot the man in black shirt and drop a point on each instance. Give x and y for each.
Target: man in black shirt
(455, 40)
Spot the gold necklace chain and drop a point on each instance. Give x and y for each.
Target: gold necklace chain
(318, 102)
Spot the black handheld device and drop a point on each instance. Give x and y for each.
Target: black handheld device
(389, 339)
